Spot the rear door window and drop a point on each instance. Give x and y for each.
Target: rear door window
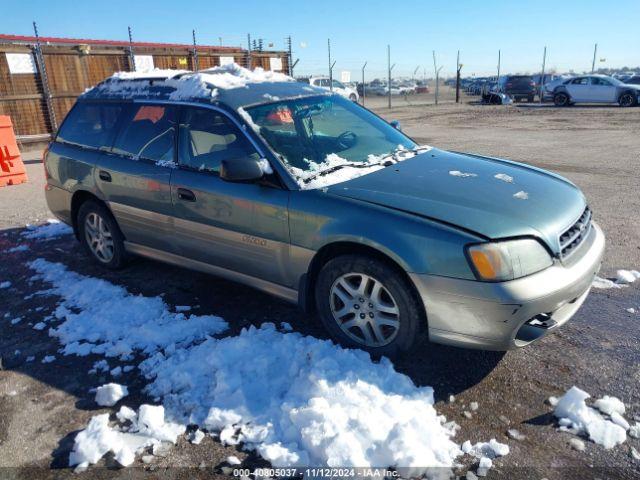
(580, 81)
(91, 125)
(207, 137)
(148, 133)
(601, 82)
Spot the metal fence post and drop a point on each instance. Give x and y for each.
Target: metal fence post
(389, 68)
(290, 53)
(364, 88)
(458, 68)
(132, 59)
(544, 61)
(195, 52)
(42, 70)
(249, 51)
(330, 65)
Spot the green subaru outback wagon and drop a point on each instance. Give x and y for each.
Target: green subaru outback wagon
(295, 191)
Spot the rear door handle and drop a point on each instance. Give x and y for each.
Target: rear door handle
(186, 195)
(104, 176)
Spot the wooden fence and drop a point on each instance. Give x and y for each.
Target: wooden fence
(37, 89)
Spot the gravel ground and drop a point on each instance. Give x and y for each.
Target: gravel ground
(596, 147)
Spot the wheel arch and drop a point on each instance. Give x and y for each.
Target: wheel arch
(348, 247)
(629, 91)
(78, 198)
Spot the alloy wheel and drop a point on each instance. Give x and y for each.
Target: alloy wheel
(626, 100)
(99, 237)
(364, 309)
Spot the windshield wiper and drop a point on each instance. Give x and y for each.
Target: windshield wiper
(385, 161)
(338, 167)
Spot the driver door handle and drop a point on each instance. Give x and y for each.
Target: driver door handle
(186, 195)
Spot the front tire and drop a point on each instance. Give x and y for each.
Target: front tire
(365, 303)
(353, 98)
(100, 235)
(561, 99)
(628, 99)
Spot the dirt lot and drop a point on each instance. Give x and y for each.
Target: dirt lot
(42, 406)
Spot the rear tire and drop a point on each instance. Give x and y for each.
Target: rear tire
(628, 99)
(365, 303)
(100, 235)
(561, 99)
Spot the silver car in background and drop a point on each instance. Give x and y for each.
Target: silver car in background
(310, 197)
(595, 89)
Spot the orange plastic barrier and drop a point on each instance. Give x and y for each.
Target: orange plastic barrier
(12, 169)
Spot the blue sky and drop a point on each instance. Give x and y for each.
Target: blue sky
(361, 30)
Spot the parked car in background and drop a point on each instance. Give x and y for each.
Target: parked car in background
(596, 89)
(338, 87)
(305, 195)
(422, 87)
(634, 80)
(549, 88)
(518, 87)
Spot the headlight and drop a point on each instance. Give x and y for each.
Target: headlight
(507, 260)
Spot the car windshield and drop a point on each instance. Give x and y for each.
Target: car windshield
(327, 139)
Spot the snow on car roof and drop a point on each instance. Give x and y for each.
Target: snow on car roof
(231, 84)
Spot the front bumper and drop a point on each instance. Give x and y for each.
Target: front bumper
(496, 316)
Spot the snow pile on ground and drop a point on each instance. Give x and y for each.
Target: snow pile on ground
(319, 405)
(112, 322)
(110, 394)
(578, 418)
(623, 278)
(604, 283)
(486, 452)
(50, 230)
(627, 276)
(146, 428)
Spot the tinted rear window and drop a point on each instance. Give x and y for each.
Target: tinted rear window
(91, 124)
(520, 79)
(148, 133)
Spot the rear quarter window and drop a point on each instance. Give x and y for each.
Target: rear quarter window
(91, 125)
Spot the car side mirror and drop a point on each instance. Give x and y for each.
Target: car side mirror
(396, 124)
(243, 169)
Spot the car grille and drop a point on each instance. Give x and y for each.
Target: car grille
(571, 238)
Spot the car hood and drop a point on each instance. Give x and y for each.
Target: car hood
(631, 85)
(434, 185)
